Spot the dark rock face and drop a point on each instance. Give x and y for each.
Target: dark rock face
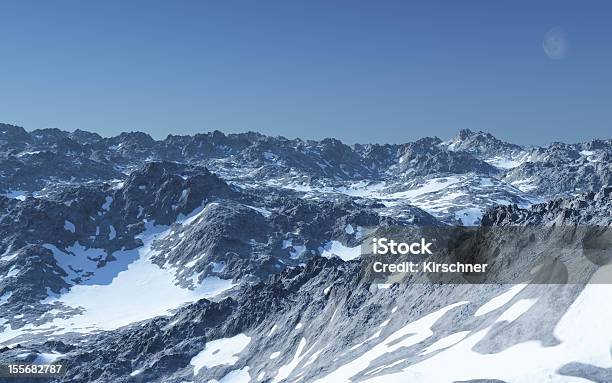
(34, 171)
(251, 244)
(13, 138)
(553, 178)
(169, 191)
(429, 158)
(586, 209)
(34, 273)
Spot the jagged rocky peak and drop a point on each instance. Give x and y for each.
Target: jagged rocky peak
(55, 140)
(557, 153)
(422, 147)
(482, 144)
(337, 152)
(592, 208)
(204, 146)
(84, 137)
(132, 141)
(375, 155)
(141, 137)
(13, 139)
(163, 190)
(13, 132)
(159, 172)
(562, 171)
(48, 133)
(154, 172)
(233, 141)
(604, 145)
(223, 239)
(220, 138)
(428, 156)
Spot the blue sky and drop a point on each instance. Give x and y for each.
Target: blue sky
(375, 71)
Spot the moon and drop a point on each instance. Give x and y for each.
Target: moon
(555, 44)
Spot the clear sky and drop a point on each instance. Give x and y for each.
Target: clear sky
(360, 71)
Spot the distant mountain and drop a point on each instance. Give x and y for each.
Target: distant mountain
(482, 145)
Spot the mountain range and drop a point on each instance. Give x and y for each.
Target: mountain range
(237, 258)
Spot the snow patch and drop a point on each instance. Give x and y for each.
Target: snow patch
(5, 297)
(217, 267)
(47, 357)
(135, 372)
(348, 229)
(525, 185)
(220, 352)
(235, 376)
(265, 212)
(272, 330)
(14, 270)
(430, 186)
(113, 233)
(16, 194)
(470, 216)
(590, 155)
(499, 300)
(69, 226)
(346, 253)
(107, 203)
(286, 369)
(505, 162)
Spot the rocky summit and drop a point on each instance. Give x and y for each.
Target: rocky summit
(238, 258)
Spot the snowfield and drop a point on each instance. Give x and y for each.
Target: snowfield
(129, 290)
